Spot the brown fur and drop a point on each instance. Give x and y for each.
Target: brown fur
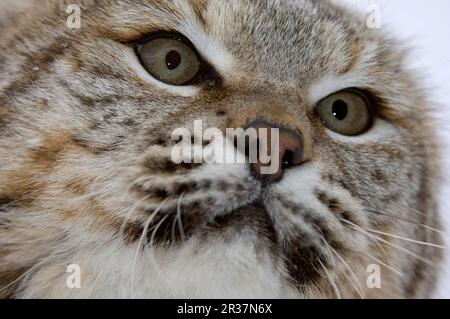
(85, 141)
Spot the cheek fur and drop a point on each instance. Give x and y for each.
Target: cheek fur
(86, 176)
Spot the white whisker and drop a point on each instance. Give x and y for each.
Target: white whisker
(180, 223)
(130, 213)
(407, 251)
(408, 221)
(152, 248)
(331, 281)
(40, 239)
(28, 272)
(140, 244)
(386, 265)
(356, 283)
(406, 239)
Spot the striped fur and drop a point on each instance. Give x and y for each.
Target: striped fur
(86, 176)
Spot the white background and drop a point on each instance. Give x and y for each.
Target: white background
(425, 24)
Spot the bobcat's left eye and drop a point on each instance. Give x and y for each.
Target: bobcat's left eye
(348, 112)
(170, 58)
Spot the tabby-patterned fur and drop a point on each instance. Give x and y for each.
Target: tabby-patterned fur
(86, 176)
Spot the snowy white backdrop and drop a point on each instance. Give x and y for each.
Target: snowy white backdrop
(425, 25)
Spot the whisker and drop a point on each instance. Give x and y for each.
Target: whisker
(155, 230)
(130, 213)
(29, 271)
(409, 209)
(355, 282)
(140, 244)
(172, 231)
(396, 271)
(152, 248)
(407, 251)
(406, 239)
(416, 211)
(144, 231)
(407, 220)
(54, 236)
(331, 281)
(19, 278)
(180, 222)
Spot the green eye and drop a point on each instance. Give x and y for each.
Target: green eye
(170, 58)
(348, 112)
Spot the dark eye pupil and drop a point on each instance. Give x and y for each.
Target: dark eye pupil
(173, 60)
(340, 110)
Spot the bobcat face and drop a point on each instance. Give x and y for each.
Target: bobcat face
(87, 175)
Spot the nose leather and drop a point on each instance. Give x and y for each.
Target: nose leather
(289, 145)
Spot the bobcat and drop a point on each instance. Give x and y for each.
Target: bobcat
(87, 176)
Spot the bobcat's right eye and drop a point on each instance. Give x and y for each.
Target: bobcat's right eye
(170, 58)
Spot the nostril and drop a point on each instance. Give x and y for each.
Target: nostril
(282, 147)
(288, 159)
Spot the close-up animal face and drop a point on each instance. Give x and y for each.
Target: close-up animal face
(88, 178)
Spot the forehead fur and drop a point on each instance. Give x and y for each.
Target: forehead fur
(282, 38)
(83, 125)
(290, 43)
(303, 49)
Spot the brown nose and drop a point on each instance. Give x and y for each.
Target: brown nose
(277, 148)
